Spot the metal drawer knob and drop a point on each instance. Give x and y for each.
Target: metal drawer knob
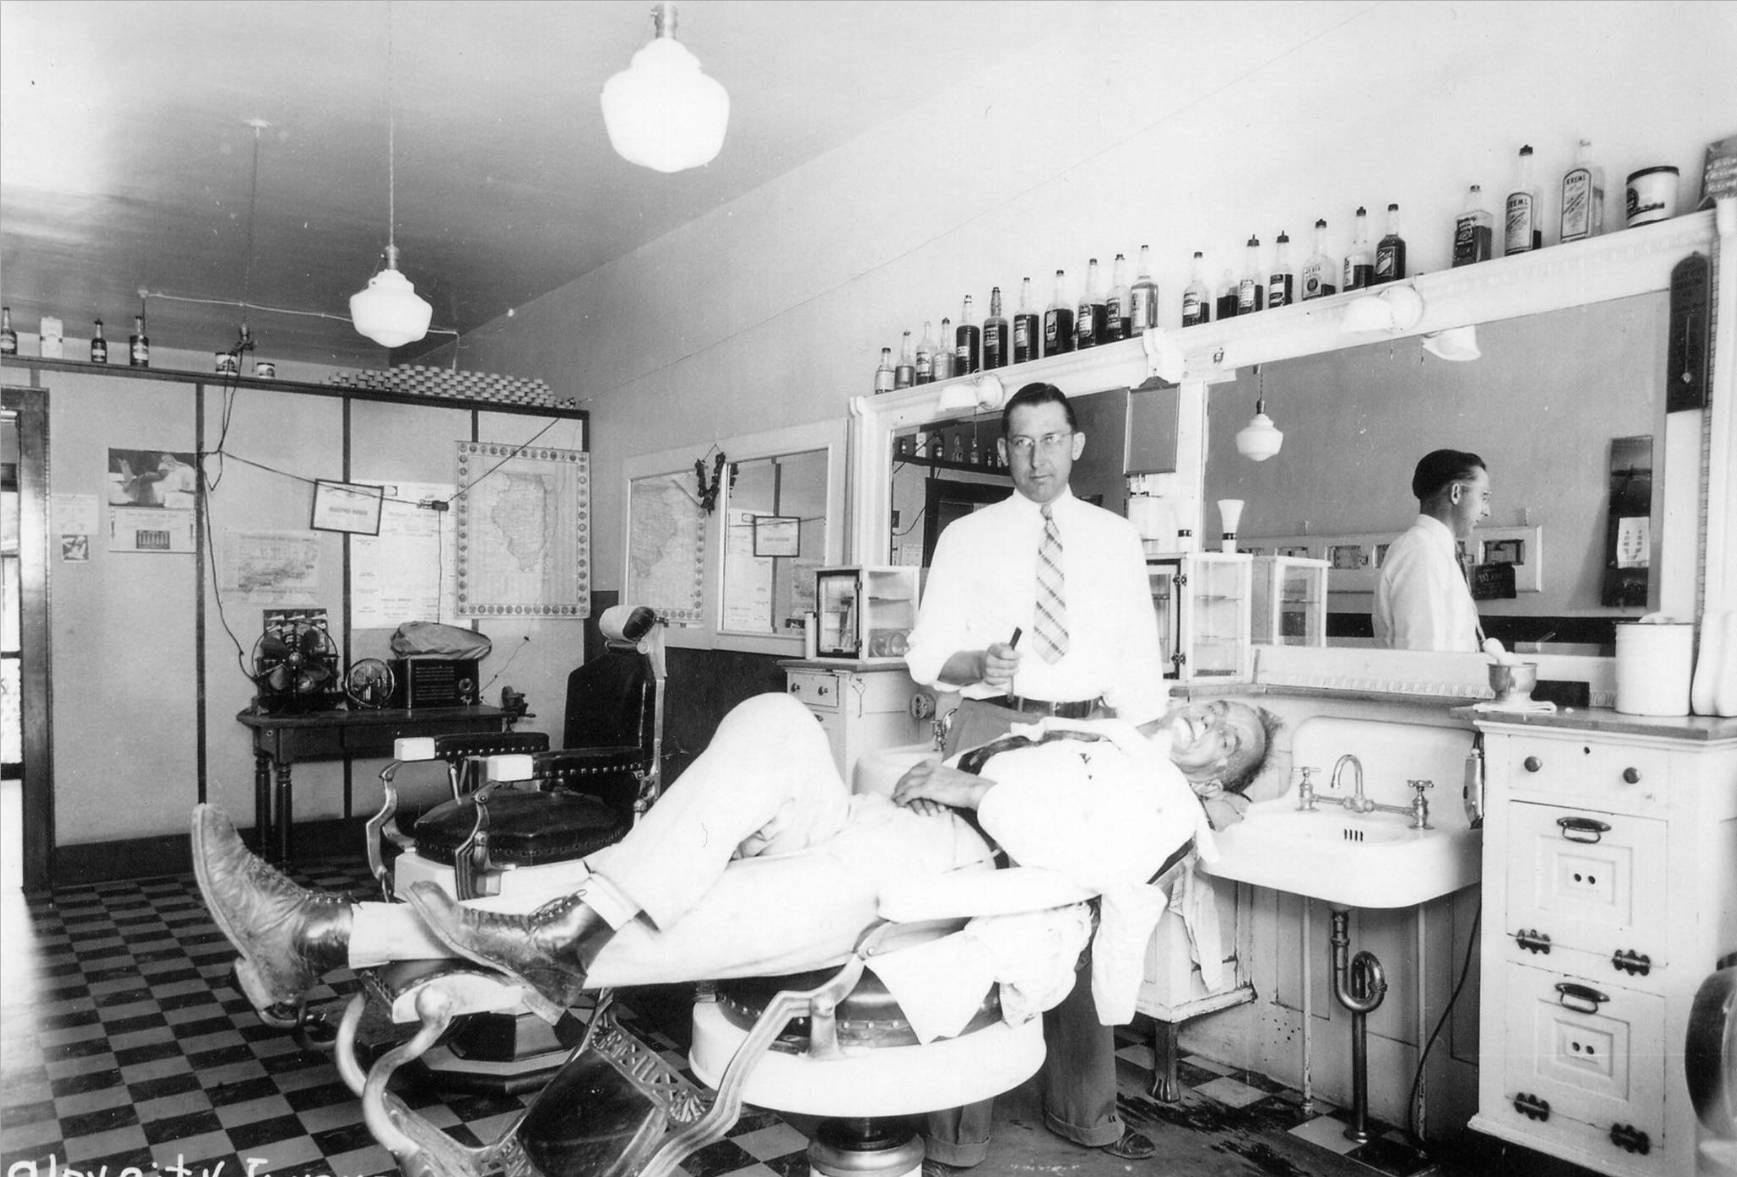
(1533, 764)
(1631, 775)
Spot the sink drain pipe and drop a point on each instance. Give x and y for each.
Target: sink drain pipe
(1359, 984)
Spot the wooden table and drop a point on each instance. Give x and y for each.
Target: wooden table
(283, 740)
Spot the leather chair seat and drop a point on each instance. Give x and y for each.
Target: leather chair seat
(868, 1016)
(525, 827)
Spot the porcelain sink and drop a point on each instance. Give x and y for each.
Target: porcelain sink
(1346, 859)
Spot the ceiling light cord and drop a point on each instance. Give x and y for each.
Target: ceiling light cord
(253, 306)
(391, 154)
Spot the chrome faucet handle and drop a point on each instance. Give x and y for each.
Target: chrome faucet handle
(1306, 790)
(1420, 804)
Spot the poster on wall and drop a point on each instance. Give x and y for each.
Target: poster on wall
(523, 520)
(747, 577)
(270, 567)
(407, 572)
(151, 495)
(666, 548)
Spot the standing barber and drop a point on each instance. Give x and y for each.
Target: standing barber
(1422, 601)
(1069, 579)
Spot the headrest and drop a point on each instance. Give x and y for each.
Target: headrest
(627, 623)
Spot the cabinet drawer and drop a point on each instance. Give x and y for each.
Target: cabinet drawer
(816, 689)
(1585, 772)
(1589, 882)
(1583, 1066)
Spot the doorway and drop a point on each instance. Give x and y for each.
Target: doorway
(26, 802)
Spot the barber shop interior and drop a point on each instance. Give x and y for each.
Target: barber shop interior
(747, 589)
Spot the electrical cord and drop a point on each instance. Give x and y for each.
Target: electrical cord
(1413, 1129)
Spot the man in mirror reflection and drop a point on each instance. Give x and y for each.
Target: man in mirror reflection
(1422, 600)
(1039, 605)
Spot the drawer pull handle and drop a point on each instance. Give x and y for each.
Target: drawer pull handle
(1533, 764)
(1631, 775)
(1630, 1139)
(1582, 999)
(1531, 1106)
(1583, 829)
(1627, 960)
(1533, 941)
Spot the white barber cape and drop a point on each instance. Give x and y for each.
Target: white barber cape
(1104, 814)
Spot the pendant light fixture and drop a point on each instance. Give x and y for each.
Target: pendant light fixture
(389, 311)
(1259, 440)
(663, 112)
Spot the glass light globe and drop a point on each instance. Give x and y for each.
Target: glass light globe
(389, 311)
(1259, 440)
(663, 112)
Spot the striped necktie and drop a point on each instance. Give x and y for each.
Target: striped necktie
(1050, 621)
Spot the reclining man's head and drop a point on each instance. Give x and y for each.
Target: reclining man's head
(1219, 742)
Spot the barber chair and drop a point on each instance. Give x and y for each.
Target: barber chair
(522, 815)
(829, 1043)
(1710, 1063)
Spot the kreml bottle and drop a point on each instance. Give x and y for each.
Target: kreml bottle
(1251, 292)
(1143, 298)
(1090, 317)
(944, 351)
(905, 371)
(1360, 262)
(1282, 284)
(994, 334)
(1058, 319)
(924, 367)
(1582, 197)
(139, 345)
(1197, 296)
(99, 347)
(967, 343)
(1027, 328)
(1523, 227)
(1116, 304)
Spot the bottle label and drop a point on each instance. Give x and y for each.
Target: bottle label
(925, 368)
(1471, 240)
(1316, 280)
(1192, 306)
(141, 353)
(1246, 291)
(1519, 228)
(1278, 290)
(1387, 264)
(1143, 308)
(1021, 334)
(1577, 204)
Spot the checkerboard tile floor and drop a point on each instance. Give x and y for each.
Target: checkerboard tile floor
(124, 1045)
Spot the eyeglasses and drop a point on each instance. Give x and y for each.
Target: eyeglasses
(1049, 443)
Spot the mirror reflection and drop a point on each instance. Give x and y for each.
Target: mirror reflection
(774, 539)
(949, 468)
(1553, 407)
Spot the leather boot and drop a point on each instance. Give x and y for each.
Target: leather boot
(287, 935)
(549, 949)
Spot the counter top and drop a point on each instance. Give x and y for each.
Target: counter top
(1698, 728)
(845, 664)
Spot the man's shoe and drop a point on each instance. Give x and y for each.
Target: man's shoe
(287, 935)
(549, 949)
(1134, 1146)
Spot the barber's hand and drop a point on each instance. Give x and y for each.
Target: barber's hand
(931, 786)
(1000, 661)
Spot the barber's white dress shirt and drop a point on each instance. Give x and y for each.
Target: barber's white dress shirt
(983, 585)
(1421, 598)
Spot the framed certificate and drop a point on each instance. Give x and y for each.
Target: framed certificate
(777, 535)
(347, 506)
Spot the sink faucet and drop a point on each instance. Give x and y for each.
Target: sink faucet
(1361, 802)
(1358, 802)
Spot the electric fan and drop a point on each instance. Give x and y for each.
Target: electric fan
(295, 665)
(369, 684)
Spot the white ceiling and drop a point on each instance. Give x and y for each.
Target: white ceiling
(127, 159)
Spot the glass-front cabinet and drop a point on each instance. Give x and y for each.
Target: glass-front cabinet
(865, 613)
(1290, 601)
(1204, 603)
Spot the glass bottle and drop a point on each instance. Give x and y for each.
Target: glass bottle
(1474, 230)
(1522, 226)
(1320, 271)
(1282, 285)
(1058, 319)
(1143, 298)
(1227, 299)
(1196, 296)
(1027, 327)
(1582, 197)
(1116, 310)
(884, 372)
(994, 335)
(139, 345)
(1360, 262)
(924, 367)
(1091, 313)
(967, 343)
(1251, 294)
(944, 351)
(8, 337)
(99, 347)
(1390, 250)
(905, 371)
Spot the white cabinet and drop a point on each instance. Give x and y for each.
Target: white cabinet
(1610, 891)
(862, 706)
(1203, 601)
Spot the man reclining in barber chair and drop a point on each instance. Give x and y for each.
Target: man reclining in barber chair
(759, 861)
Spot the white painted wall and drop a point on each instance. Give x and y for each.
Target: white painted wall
(1182, 126)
